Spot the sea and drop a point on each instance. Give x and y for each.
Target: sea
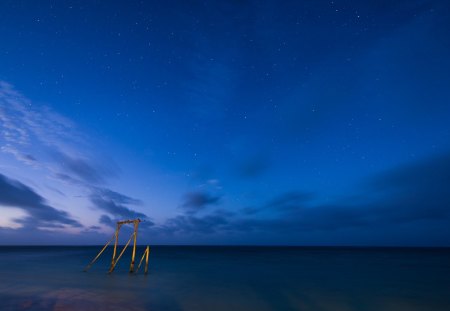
(227, 278)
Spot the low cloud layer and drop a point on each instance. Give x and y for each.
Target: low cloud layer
(415, 196)
(16, 194)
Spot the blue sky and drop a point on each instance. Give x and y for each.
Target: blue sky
(304, 123)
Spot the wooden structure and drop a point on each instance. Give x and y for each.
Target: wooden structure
(115, 259)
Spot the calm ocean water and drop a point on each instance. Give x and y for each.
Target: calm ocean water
(228, 278)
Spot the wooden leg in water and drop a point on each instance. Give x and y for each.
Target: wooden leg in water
(121, 253)
(98, 255)
(113, 260)
(140, 261)
(133, 255)
(147, 251)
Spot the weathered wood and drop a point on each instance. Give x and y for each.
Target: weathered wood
(115, 237)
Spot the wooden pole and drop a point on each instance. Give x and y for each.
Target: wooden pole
(116, 234)
(147, 252)
(140, 261)
(115, 237)
(98, 255)
(133, 255)
(121, 253)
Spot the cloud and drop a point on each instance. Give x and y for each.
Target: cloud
(191, 224)
(410, 194)
(36, 236)
(432, 173)
(302, 219)
(195, 201)
(114, 204)
(23, 124)
(81, 168)
(20, 156)
(117, 197)
(16, 194)
(253, 167)
(27, 129)
(40, 138)
(289, 201)
(403, 201)
(415, 192)
(94, 228)
(106, 220)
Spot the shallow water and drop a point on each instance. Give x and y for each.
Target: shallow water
(227, 278)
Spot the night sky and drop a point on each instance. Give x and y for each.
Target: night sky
(226, 122)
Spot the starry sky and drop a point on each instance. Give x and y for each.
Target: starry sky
(226, 122)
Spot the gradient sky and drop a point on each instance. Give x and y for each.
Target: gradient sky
(225, 122)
